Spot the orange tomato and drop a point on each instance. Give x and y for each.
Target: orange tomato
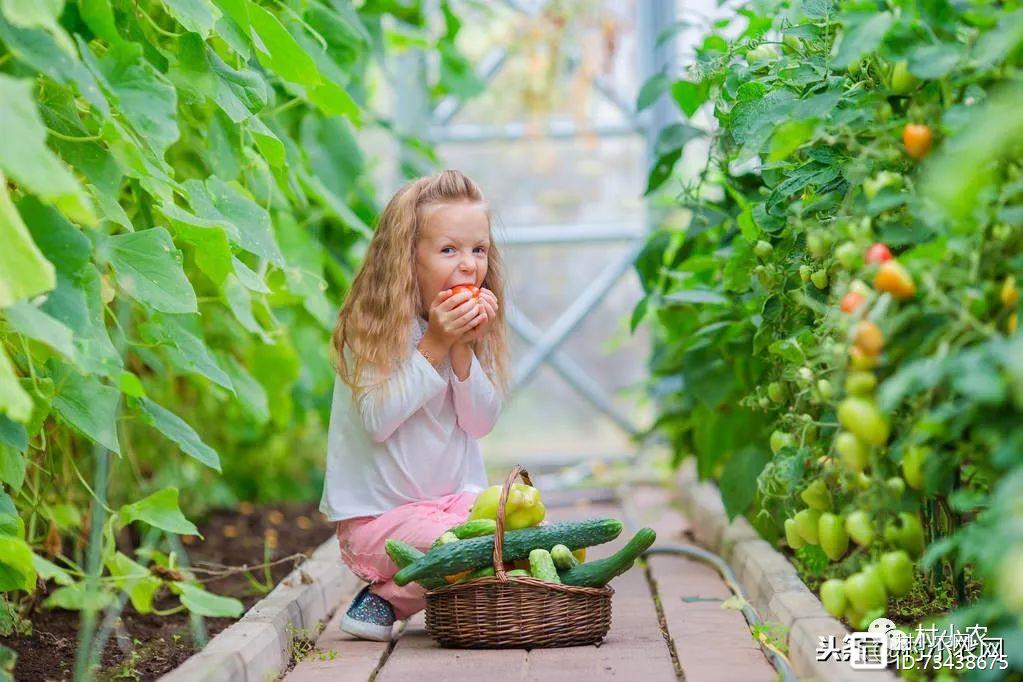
(868, 338)
(917, 137)
(895, 279)
(851, 301)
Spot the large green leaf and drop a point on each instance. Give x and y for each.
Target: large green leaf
(135, 579)
(28, 161)
(17, 571)
(198, 16)
(226, 204)
(14, 401)
(42, 13)
(24, 271)
(250, 392)
(199, 601)
(159, 510)
(184, 346)
(88, 405)
(175, 428)
(12, 467)
(148, 268)
(146, 98)
(863, 33)
(29, 320)
(77, 304)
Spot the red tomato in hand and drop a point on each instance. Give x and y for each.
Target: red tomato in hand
(878, 253)
(473, 291)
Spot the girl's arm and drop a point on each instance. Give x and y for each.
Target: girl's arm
(477, 401)
(386, 405)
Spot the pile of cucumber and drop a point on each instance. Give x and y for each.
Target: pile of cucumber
(468, 550)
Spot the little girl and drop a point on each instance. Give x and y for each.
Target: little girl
(421, 377)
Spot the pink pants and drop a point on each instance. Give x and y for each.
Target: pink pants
(417, 523)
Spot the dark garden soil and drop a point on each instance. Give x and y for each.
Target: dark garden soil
(148, 646)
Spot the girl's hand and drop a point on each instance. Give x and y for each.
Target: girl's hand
(452, 316)
(488, 304)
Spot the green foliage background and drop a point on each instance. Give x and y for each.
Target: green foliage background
(183, 201)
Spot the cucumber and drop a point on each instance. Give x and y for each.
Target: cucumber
(600, 572)
(563, 557)
(474, 528)
(474, 552)
(478, 573)
(445, 538)
(403, 554)
(518, 571)
(541, 566)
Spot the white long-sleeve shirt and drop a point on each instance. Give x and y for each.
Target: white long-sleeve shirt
(410, 438)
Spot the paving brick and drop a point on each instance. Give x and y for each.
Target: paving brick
(787, 607)
(803, 641)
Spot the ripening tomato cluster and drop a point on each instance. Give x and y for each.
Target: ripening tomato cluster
(858, 446)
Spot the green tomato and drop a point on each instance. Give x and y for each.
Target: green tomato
(1009, 581)
(792, 42)
(896, 485)
(763, 249)
(907, 533)
(804, 273)
(873, 185)
(865, 592)
(864, 420)
(817, 244)
(762, 53)
(834, 539)
(848, 255)
(855, 618)
(792, 536)
(820, 279)
(776, 392)
(817, 496)
(852, 451)
(897, 572)
(860, 383)
(781, 439)
(860, 527)
(807, 522)
(833, 597)
(912, 466)
(901, 80)
(825, 390)
(763, 402)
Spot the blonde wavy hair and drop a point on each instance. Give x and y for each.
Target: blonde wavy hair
(373, 324)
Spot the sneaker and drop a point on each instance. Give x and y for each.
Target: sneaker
(369, 617)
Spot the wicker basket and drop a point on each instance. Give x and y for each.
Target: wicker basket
(502, 612)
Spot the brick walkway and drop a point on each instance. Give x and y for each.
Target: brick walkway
(701, 642)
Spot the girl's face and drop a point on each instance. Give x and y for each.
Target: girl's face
(452, 249)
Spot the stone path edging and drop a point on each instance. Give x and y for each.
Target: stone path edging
(771, 583)
(258, 647)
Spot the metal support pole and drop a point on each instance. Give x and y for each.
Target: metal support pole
(569, 371)
(449, 107)
(574, 314)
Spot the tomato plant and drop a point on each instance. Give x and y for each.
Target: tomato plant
(893, 130)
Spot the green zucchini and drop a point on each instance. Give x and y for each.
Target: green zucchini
(541, 566)
(403, 554)
(474, 528)
(600, 572)
(474, 552)
(563, 557)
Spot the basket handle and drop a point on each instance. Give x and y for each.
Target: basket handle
(499, 531)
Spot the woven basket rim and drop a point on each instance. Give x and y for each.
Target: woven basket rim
(580, 590)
